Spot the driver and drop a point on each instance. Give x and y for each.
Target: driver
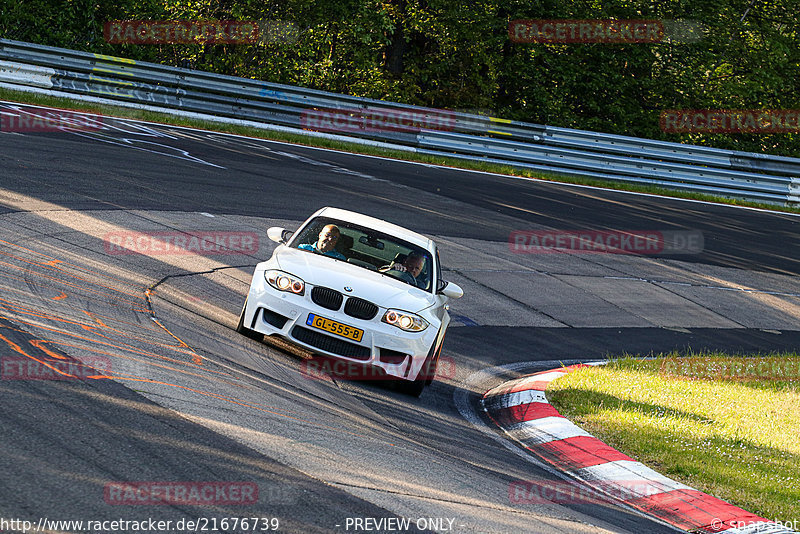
(410, 268)
(327, 239)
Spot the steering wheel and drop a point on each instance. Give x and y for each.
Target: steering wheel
(400, 275)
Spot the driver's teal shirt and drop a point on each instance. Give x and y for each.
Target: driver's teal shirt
(333, 253)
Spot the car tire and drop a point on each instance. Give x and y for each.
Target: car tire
(428, 372)
(242, 329)
(413, 387)
(433, 365)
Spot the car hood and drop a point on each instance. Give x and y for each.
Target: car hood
(318, 270)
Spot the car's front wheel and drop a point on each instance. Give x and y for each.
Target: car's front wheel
(432, 366)
(426, 374)
(413, 387)
(242, 329)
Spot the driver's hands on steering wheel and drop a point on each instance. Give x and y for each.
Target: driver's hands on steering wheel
(398, 267)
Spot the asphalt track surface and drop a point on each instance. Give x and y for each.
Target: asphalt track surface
(190, 400)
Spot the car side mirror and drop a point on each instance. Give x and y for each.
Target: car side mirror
(451, 290)
(279, 235)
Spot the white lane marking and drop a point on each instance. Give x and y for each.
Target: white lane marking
(333, 168)
(137, 129)
(158, 148)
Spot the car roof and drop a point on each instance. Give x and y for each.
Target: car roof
(377, 224)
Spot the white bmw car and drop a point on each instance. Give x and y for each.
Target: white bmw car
(356, 288)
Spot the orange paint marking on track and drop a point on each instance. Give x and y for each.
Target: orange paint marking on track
(188, 373)
(19, 308)
(97, 321)
(6, 288)
(123, 344)
(139, 326)
(53, 261)
(17, 348)
(29, 311)
(61, 296)
(39, 344)
(76, 286)
(196, 359)
(14, 346)
(112, 345)
(182, 344)
(9, 243)
(223, 378)
(53, 264)
(7, 275)
(90, 340)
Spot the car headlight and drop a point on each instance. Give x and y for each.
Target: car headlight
(285, 282)
(409, 322)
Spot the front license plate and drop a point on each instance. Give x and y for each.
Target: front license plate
(334, 328)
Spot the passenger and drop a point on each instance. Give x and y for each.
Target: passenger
(328, 237)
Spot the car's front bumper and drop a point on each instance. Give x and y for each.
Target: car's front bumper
(398, 353)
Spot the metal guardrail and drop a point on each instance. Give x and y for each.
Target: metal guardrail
(745, 175)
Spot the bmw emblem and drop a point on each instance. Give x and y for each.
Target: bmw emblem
(348, 289)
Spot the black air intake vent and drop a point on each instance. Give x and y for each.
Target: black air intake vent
(331, 344)
(360, 308)
(327, 297)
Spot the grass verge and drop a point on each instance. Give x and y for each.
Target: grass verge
(166, 118)
(704, 421)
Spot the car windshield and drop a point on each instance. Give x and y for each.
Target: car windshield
(368, 249)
